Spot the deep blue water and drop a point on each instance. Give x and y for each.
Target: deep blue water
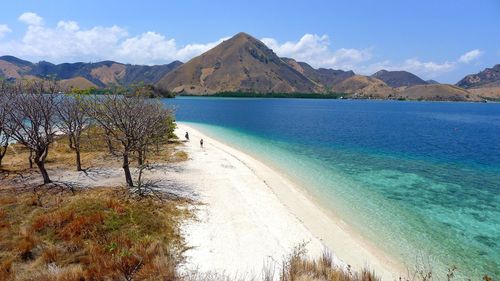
(418, 178)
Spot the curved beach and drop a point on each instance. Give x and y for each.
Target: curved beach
(254, 216)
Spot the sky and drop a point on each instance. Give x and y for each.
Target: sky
(442, 40)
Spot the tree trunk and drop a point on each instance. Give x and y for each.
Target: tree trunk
(3, 150)
(43, 171)
(109, 143)
(78, 161)
(140, 157)
(128, 176)
(30, 159)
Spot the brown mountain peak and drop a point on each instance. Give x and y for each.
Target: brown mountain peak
(241, 63)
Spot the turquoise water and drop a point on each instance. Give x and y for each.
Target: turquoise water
(417, 179)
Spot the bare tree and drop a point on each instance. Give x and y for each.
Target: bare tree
(31, 112)
(157, 129)
(130, 121)
(73, 120)
(4, 135)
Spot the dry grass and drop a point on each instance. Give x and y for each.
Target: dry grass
(94, 153)
(98, 234)
(298, 268)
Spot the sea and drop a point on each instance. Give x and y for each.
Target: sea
(421, 180)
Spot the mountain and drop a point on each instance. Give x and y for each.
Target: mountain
(398, 79)
(437, 92)
(81, 74)
(489, 77)
(486, 93)
(431, 82)
(364, 87)
(325, 76)
(239, 64)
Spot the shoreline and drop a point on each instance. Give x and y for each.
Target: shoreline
(330, 230)
(494, 101)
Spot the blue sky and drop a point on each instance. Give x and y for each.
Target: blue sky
(442, 40)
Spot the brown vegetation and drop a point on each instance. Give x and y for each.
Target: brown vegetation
(364, 87)
(78, 83)
(486, 93)
(436, 92)
(99, 234)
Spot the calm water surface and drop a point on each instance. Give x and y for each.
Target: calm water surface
(419, 179)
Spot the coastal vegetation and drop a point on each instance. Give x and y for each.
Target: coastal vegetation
(151, 90)
(33, 111)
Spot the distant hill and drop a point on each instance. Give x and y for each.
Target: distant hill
(437, 92)
(398, 79)
(364, 87)
(489, 77)
(430, 82)
(325, 76)
(99, 74)
(486, 93)
(239, 64)
(78, 82)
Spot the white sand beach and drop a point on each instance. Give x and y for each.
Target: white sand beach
(254, 215)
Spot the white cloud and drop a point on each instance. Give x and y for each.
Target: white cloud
(148, 47)
(192, 50)
(65, 42)
(152, 47)
(470, 56)
(30, 18)
(429, 68)
(4, 29)
(315, 50)
(68, 42)
(68, 25)
(424, 69)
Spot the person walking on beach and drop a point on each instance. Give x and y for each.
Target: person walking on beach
(186, 136)
(201, 143)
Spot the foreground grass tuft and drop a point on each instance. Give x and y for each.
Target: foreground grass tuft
(98, 234)
(298, 267)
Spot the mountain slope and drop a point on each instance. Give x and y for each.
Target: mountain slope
(489, 77)
(325, 76)
(437, 92)
(486, 93)
(78, 82)
(241, 63)
(363, 87)
(398, 79)
(100, 74)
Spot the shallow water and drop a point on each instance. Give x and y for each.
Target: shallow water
(419, 179)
